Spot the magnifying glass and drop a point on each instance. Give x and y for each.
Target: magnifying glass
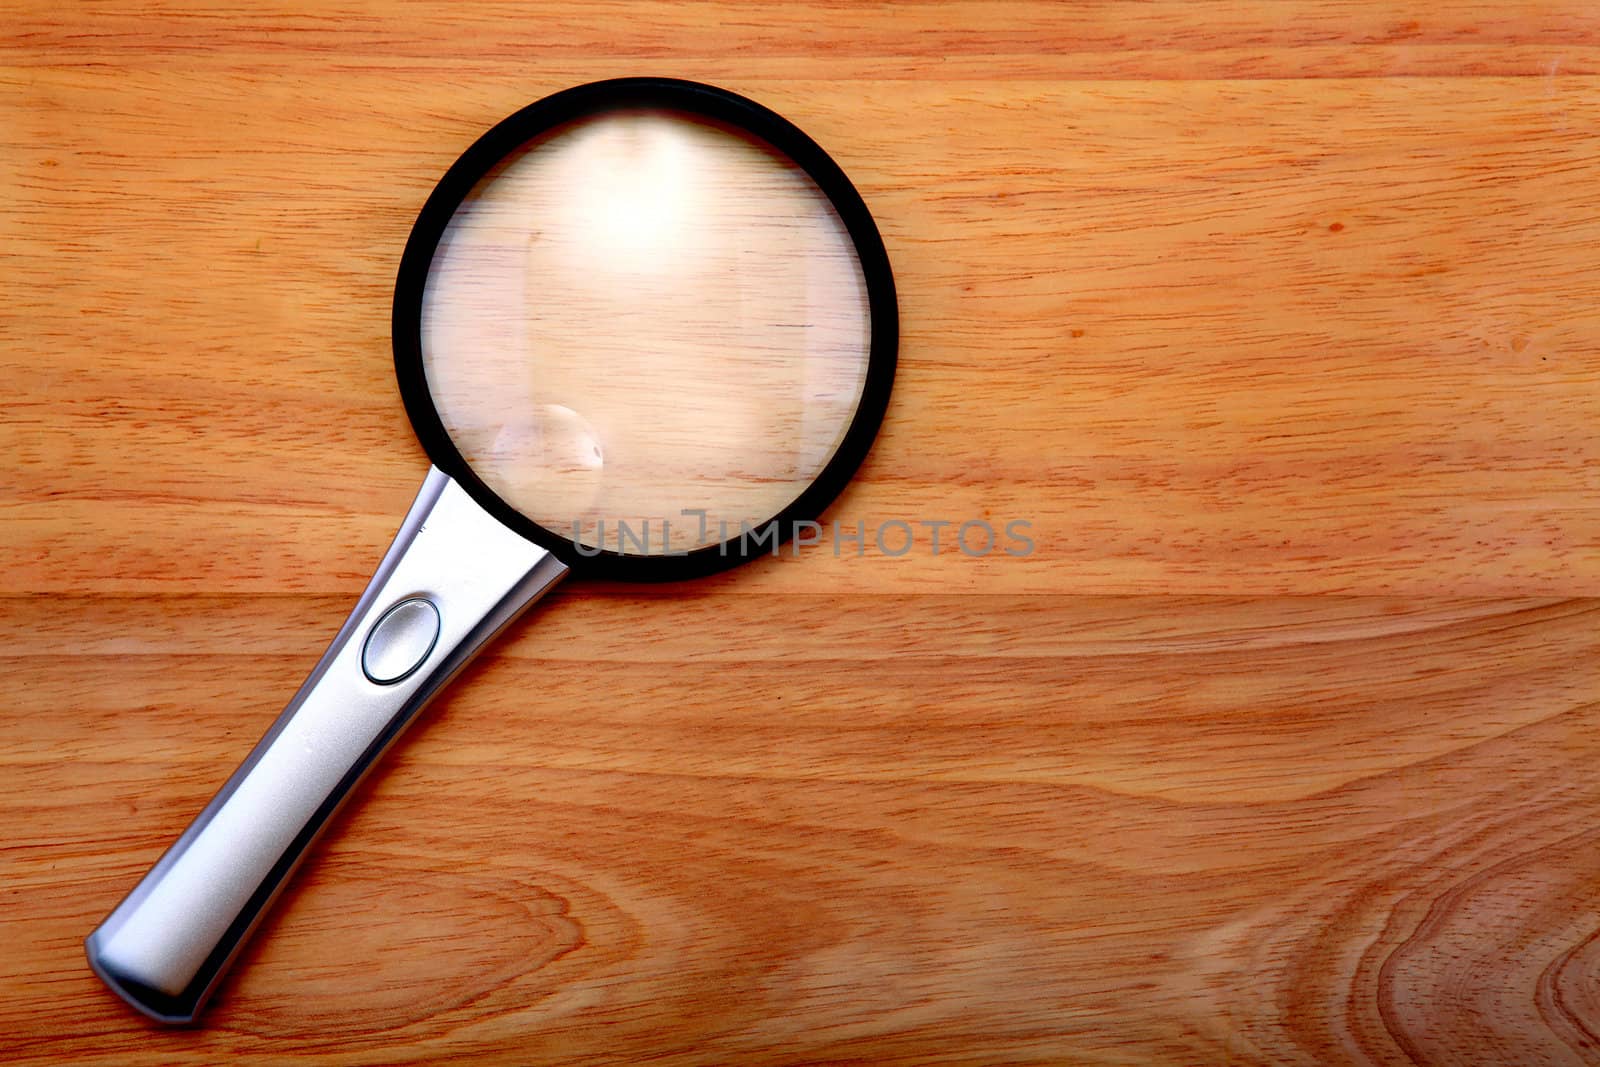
(644, 329)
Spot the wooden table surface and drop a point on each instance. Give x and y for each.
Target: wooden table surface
(1278, 322)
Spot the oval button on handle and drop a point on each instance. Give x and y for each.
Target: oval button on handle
(400, 641)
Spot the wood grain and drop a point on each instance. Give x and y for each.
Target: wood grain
(1277, 321)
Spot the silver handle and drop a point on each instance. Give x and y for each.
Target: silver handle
(453, 579)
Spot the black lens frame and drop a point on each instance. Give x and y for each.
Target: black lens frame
(718, 105)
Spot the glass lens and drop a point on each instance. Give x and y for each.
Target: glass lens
(646, 331)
